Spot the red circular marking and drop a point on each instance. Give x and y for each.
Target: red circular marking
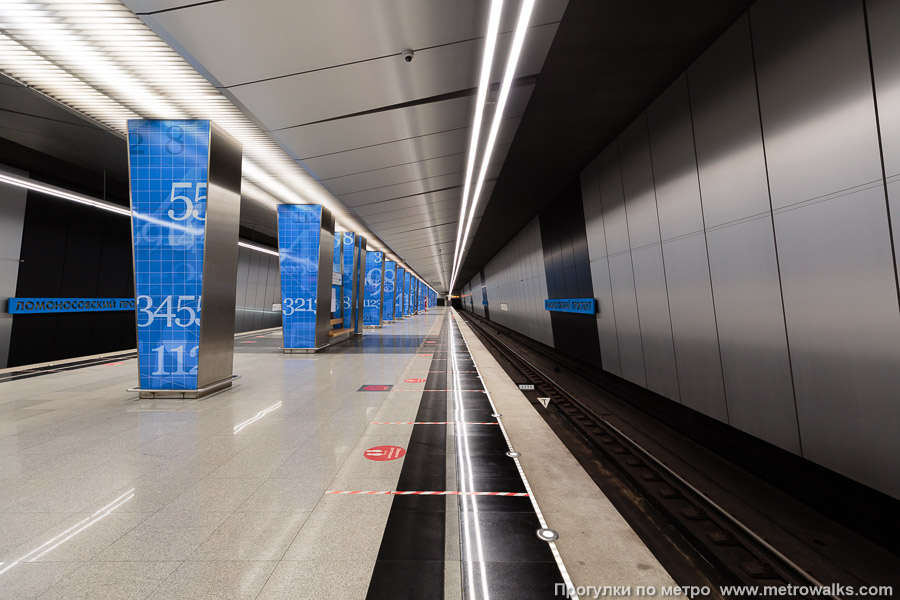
(376, 388)
(381, 453)
(414, 380)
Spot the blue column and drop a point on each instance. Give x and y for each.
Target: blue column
(305, 244)
(374, 278)
(347, 296)
(398, 293)
(185, 249)
(406, 294)
(390, 274)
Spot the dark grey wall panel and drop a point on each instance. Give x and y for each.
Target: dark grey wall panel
(621, 272)
(637, 184)
(647, 260)
(740, 241)
(258, 287)
(726, 129)
(628, 325)
(752, 339)
(694, 326)
(884, 21)
(844, 330)
(596, 241)
(674, 164)
(656, 328)
(684, 252)
(834, 247)
(815, 95)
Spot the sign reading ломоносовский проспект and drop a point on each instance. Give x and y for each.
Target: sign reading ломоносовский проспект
(36, 306)
(586, 306)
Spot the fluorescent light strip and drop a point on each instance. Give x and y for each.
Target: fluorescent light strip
(257, 248)
(487, 60)
(52, 190)
(58, 192)
(512, 61)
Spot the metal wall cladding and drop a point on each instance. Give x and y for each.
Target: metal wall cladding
(684, 252)
(831, 225)
(477, 300)
(515, 278)
(784, 323)
(883, 18)
(12, 224)
(596, 242)
(647, 260)
(254, 299)
(741, 242)
(621, 271)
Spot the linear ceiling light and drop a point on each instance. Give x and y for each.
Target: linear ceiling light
(487, 60)
(101, 60)
(58, 192)
(512, 61)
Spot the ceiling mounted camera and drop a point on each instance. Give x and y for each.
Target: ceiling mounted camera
(407, 55)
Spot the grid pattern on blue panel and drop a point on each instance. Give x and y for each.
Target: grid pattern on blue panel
(406, 283)
(336, 289)
(372, 299)
(168, 170)
(421, 296)
(347, 280)
(299, 236)
(360, 277)
(390, 273)
(398, 293)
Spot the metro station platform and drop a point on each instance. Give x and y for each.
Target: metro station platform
(377, 469)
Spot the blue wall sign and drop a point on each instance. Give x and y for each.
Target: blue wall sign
(168, 163)
(587, 306)
(299, 237)
(390, 275)
(372, 306)
(36, 306)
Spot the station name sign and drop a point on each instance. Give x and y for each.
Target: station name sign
(36, 306)
(587, 306)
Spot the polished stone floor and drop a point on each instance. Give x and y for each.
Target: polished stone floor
(106, 496)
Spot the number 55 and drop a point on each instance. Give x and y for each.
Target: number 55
(189, 210)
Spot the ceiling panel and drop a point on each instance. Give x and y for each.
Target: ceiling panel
(412, 187)
(404, 202)
(400, 153)
(280, 37)
(348, 89)
(453, 163)
(372, 129)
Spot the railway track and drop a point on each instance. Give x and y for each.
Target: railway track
(741, 555)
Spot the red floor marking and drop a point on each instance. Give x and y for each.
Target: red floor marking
(382, 453)
(375, 388)
(414, 380)
(250, 342)
(410, 493)
(115, 363)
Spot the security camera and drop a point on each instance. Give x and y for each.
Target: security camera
(407, 55)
